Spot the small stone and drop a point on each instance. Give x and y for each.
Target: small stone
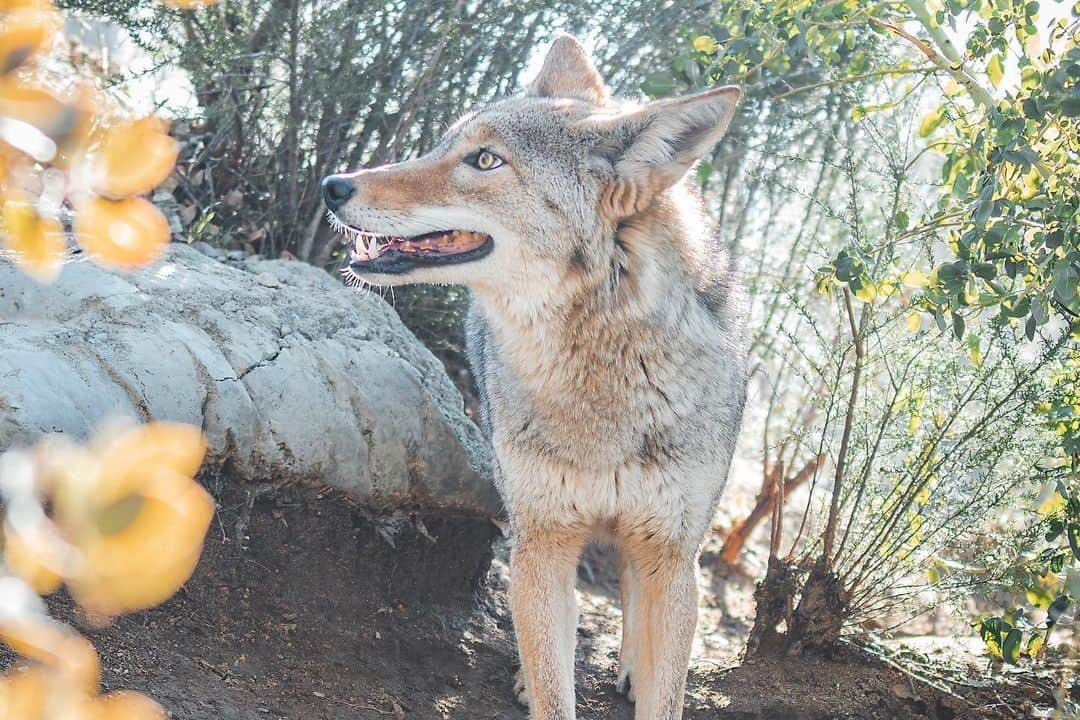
(267, 280)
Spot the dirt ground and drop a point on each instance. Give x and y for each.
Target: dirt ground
(301, 610)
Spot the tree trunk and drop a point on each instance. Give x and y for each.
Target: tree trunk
(819, 616)
(774, 597)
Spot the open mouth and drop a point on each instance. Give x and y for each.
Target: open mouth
(368, 252)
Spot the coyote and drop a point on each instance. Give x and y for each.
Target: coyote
(604, 334)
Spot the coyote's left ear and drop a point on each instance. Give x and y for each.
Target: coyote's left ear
(569, 73)
(652, 148)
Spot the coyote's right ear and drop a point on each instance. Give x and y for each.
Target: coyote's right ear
(569, 73)
(652, 148)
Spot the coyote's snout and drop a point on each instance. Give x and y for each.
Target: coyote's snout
(605, 339)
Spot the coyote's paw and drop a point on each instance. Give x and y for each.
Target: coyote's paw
(521, 694)
(624, 684)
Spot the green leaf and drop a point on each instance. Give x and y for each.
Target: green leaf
(900, 220)
(1040, 310)
(1070, 107)
(1057, 609)
(995, 70)
(958, 326)
(1065, 280)
(658, 85)
(704, 172)
(1073, 535)
(1010, 648)
(990, 632)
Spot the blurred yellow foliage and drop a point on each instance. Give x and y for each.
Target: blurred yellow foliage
(26, 31)
(105, 164)
(122, 234)
(38, 240)
(36, 693)
(58, 647)
(125, 530)
(28, 557)
(118, 172)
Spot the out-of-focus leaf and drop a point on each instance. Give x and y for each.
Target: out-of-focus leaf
(129, 705)
(35, 559)
(38, 242)
(995, 70)
(25, 32)
(931, 122)
(121, 234)
(134, 158)
(58, 647)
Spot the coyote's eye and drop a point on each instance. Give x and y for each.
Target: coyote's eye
(484, 160)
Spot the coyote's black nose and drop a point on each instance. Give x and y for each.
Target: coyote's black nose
(336, 191)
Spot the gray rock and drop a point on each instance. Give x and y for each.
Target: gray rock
(292, 376)
(208, 250)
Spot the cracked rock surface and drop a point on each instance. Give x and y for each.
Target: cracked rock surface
(292, 376)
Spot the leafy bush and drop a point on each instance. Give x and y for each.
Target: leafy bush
(943, 255)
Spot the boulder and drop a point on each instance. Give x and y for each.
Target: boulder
(292, 376)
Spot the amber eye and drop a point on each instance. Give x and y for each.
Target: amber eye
(484, 160)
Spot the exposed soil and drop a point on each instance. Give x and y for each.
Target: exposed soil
(300, 609)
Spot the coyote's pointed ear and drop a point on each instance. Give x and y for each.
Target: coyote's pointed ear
(569, 73)
(653, 147)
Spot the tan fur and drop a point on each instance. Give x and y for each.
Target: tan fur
(604, 335)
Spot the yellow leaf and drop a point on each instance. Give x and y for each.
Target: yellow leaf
(705, 44)
(38, 242)
(57, 646)
(121, 234)
(923, 496)
(914, 321)
(976, 355)
(867, 292)
(914, 423)
(177, 446)
(931, 122)
(153, 555)
(61, 124)
(24, 693)
(26, 31)
(1038, 598)
(994, 70)
(134, 158)
(1052, 505)
(35, 558)
(914, 279)
(1035, 645)
(129, 705)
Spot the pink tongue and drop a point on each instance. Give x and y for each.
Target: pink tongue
(455, 241)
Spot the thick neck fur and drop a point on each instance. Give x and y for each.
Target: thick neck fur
(613, 344)
(649, 271)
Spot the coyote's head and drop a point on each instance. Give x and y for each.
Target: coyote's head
(529, 192)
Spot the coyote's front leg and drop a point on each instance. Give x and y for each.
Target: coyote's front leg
(543, 567)
(664, 617)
